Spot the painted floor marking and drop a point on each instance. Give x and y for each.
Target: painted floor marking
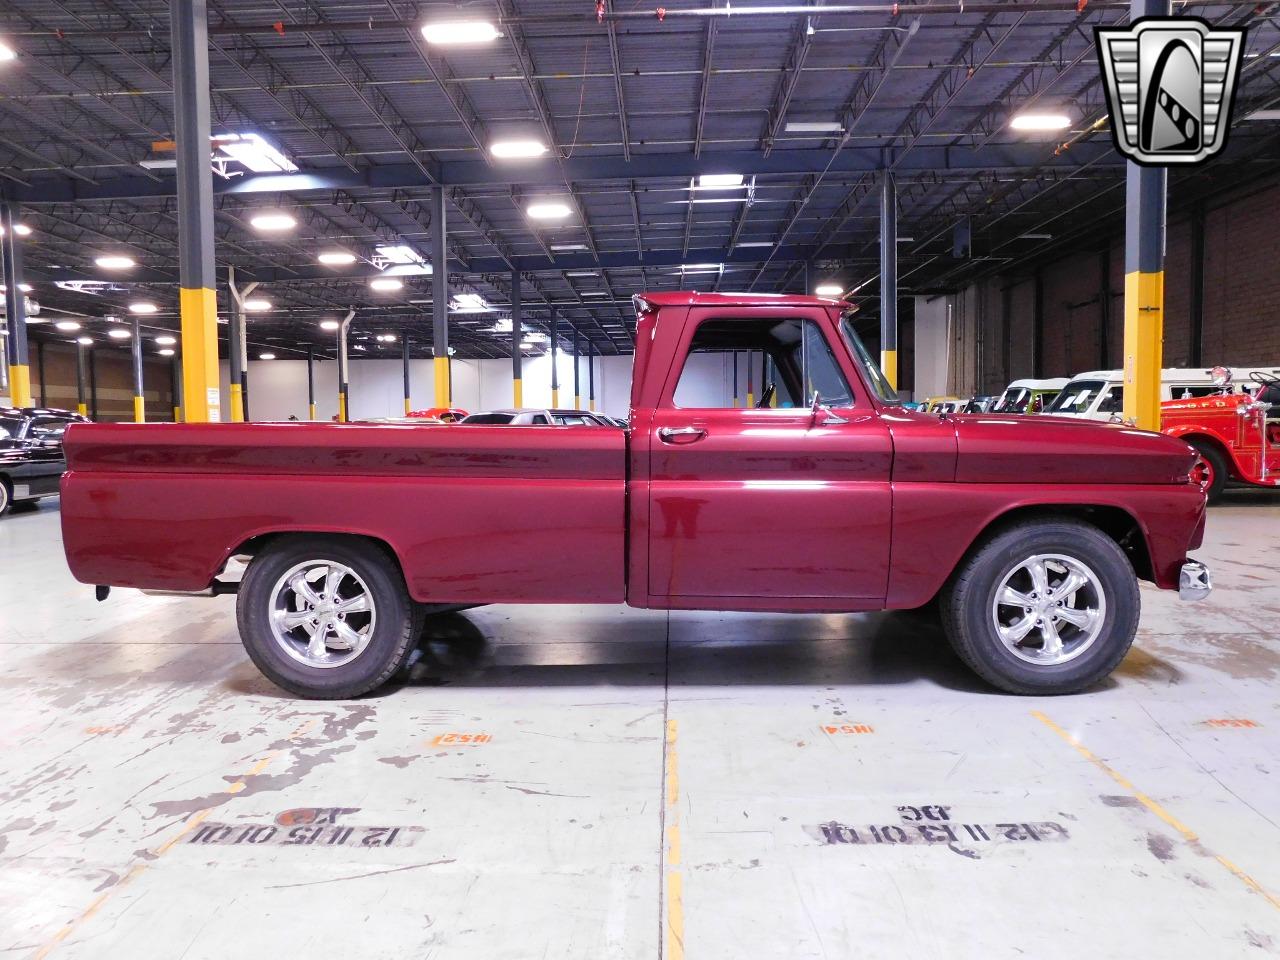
(138, 868)
(1187, 833)
(673, 901)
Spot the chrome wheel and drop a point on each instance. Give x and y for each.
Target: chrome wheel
(322, 613)
(1049, 609)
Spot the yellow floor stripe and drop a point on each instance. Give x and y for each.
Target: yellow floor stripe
(191, 823)
(1187, 833)
(673, 900)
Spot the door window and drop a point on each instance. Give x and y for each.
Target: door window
(47, 428)
(786, 361)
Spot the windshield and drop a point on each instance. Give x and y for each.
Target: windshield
(10, 427)
(1077, 397)
(488, 418)
(1014, 401)
(879, 382)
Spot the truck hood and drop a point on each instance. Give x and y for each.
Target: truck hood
(992, 448)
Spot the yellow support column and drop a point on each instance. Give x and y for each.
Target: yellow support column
(518, 393)
(1144, 294)
(20, 385)
(201, 398)
(889, 366)
(441, 371)
(15, 343)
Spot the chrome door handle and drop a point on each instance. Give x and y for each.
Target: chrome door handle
(667, 434)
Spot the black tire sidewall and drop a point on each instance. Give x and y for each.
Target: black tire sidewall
(392, 634)
(971, 605)
(6, 496)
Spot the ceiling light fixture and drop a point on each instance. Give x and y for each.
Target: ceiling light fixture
(384, 284)
(273, 222)
(254, 152)
(143, 306)
(567, 247)
(399, 253)
(337, 258)
(459, 32)
(329, 324)
(828, 289)
(815, 126)
(719, 181)
(166, 341)
(21, 229)
(7, 52)
(1040, 121)
(756, 243)
(580, 273)
(257, 305)
(115, 262)
(517, 149)
(85, 341)
(548, 211)
(166, 352)
(266, 356)
(119, 333)
(68, 325)
(24, 287)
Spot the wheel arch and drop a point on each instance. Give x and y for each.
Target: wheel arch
(252, 546)
(1198, 438)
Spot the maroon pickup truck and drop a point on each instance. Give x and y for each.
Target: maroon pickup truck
(824, 495)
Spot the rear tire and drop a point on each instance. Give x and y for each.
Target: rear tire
(6, 496)
(346, 590)
(1212, 470)
(1087, 630)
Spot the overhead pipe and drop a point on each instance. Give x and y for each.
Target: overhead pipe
(654, 14)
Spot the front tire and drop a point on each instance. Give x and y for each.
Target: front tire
(326, 618)
(1210, 471)
(1045, 607)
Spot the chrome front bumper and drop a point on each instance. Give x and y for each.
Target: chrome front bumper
(1194, 582)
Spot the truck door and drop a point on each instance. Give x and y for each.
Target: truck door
(767, 500)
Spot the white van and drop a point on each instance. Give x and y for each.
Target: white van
(1029, 396)
(1099, 394)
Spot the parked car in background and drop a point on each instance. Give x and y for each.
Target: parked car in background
(31, 460)
(442, 414)
(409, 421)
(978, 404)
(538, 417)
(1236, 433)
(1029, 395)
(946, 404)
(1099, 394)
(1031, 532)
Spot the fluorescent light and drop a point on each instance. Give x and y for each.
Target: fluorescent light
(594, 293)
(1040, 121)
(719, 181)
(119, 333)
(385, 284)
(273, 222)
(815, 126)
(580, 273)
(700, 267)
(517, 149)
(68, 325)
(165, 341)
(84, 341)
(266, 356)
(1037, 236)
(257, 305)
(143, 306)
(548, 211)
(566, 247)
(469, 303)
(21, 229)
(400, 253)
(458, 32)
(329, 324)
(337, 258)
(166, 352)
(7, 52)
(756, 243)
(115, 262)
(828, 290)
(255, 153)
(386, 338)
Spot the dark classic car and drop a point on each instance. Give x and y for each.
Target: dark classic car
(31, 452)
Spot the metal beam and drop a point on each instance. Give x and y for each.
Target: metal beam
(194, 183)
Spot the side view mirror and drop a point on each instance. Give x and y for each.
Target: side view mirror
(820, 413)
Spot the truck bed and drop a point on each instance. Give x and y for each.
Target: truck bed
(475, 514)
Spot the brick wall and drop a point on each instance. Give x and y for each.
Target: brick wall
(1083, 329)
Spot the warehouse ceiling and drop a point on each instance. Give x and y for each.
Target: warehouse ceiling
(813, 109)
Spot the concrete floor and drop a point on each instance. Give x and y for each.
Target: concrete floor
(608, 783)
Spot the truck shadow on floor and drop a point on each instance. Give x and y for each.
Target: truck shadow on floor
(871, 649)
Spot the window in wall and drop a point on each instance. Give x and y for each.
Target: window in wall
(786, 362)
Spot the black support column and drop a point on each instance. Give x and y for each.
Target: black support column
(139, 402)
(16, 350)
(198, 302)
(517, 338)
(408, 393)
(889, 278)
(311, 383)
(555, 371)
(440, 298)
(577, 378)
(82, 406)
